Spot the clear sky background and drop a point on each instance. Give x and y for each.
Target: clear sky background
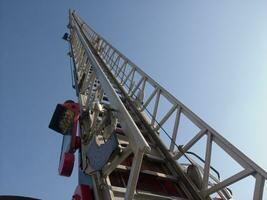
(210, 54)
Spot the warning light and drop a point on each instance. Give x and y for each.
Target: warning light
(62, 120)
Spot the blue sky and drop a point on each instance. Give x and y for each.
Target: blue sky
(210, 54)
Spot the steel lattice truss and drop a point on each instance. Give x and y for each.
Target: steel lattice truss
(101, 73)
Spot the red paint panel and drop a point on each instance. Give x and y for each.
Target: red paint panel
(83, 192)
(66, 164)
(76, 109)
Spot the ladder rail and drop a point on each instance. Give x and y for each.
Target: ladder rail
(115, 61)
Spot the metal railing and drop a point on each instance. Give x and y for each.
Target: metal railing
(147, 93)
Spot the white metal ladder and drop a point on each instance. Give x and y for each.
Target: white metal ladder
(136, 98)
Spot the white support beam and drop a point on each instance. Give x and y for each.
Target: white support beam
(206, 174)
(155, 110)
(149, 99)
(137, 86)
(233, 179)
(186, 147)
(134, 175)
(127, 77)
(164, 119)
(175, 128)
(111, 166)
(259, 186)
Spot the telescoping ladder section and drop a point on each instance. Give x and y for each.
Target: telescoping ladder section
(135, 162)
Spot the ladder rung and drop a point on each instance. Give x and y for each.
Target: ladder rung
(123, 140)
(161, 175)
(149, 172)
(155, 158)
(119, 193)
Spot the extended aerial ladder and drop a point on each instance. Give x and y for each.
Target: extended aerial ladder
(122, 153)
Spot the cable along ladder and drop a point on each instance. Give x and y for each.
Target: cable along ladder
(121, 131)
